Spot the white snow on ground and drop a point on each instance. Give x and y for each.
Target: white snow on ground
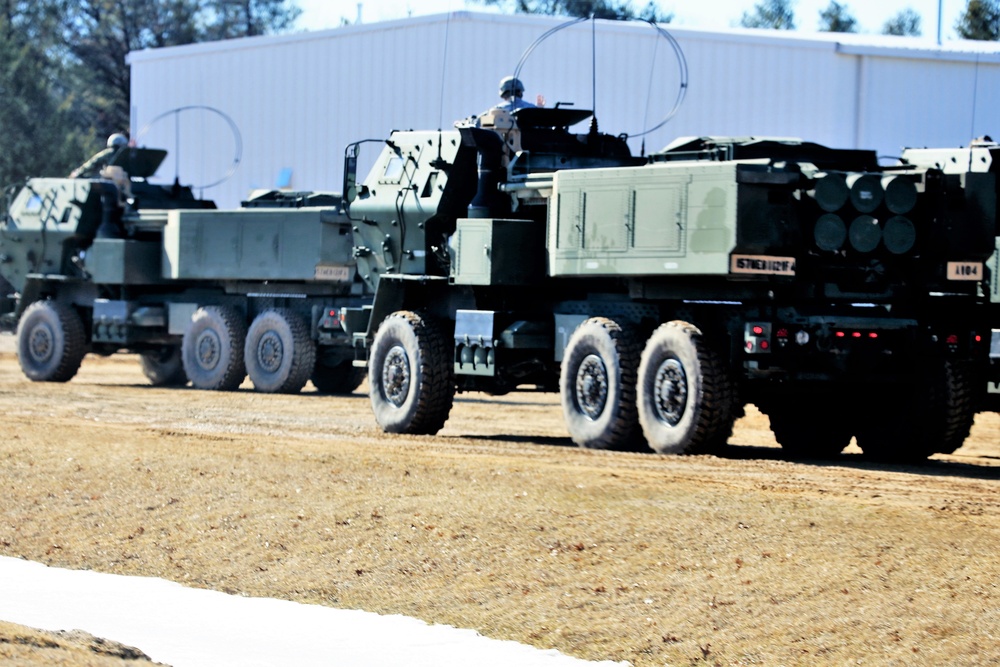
(186, 627)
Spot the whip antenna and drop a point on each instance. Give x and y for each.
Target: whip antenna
(237, 139)
(975, 93)
(682, 73)
(682, 68)
(545, 35)
(593, 64)
(444, 68)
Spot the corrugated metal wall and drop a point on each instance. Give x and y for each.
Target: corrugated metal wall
(298, 100)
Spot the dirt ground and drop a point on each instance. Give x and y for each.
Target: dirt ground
(501, 525)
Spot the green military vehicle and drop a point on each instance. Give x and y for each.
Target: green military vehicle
(981, 156)
(107, 262)
(660, 294)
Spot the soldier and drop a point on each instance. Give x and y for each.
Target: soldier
(92, 167)
(512, 90)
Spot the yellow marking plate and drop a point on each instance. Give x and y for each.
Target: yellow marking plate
(965, 270)
(762, 264)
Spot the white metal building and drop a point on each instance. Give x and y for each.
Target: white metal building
(298, 100)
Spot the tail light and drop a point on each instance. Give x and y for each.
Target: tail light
(757, 337)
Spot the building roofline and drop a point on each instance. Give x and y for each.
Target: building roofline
(846, 43)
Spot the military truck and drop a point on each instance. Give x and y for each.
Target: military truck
(981, 156)
(111, 262)
(660, 294)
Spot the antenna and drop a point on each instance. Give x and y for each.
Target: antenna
(593, 64)
(682, 73)
(975, 93)
(444, 68)
(682, 68)
(237, 138)
(545, 35)
(940, 9)
(649, 94)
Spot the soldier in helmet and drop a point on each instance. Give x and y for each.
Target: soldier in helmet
(92, 167)
(498, 117)
(512, 90)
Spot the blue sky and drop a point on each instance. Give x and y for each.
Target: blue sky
(708, 14)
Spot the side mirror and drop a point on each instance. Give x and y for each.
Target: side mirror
(352, 190)
(350, 174)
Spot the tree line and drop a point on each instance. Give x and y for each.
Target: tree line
(63, 78)
(980, 20)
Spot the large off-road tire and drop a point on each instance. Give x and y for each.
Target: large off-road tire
(212, 348)
(51, 342)
(411, 375)
(809, 425)
(685, 396)
(164, 367)
(279, 353)
(597, 386)
(910, 421)
(342, 378)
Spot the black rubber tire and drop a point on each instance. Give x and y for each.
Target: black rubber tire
(341, 379)
(164, 368)
(51, 342)
(685, 398)
(279, 353)
(411, 375)
(908, 422)
(212, 348)
(597, 386)
(812, 425)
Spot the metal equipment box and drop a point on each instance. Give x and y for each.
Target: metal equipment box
(281, 244)
(489, 251)
(124, 262)
(655, 220)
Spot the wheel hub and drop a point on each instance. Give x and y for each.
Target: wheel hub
(671, 391)
(209, 348)
(592, 386)
(270, 352)
(41, 344)
(396, 376)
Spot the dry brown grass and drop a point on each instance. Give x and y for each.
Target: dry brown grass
(26, 646)
(499, 525)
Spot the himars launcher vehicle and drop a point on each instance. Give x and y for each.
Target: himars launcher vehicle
(108, 261)
(658, 295)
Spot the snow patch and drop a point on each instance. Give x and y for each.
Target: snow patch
(189, 627)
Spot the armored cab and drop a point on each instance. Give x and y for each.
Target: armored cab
(107, 261)
(51, 223)
(660, 294)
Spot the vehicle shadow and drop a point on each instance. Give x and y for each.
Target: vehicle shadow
(737, 452)
(540, 440)
(505, 400)
(925, 468)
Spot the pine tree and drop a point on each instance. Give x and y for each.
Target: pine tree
(906, 22)
(980, 20)
(836, 18)
(773, 14)
(601, 9)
